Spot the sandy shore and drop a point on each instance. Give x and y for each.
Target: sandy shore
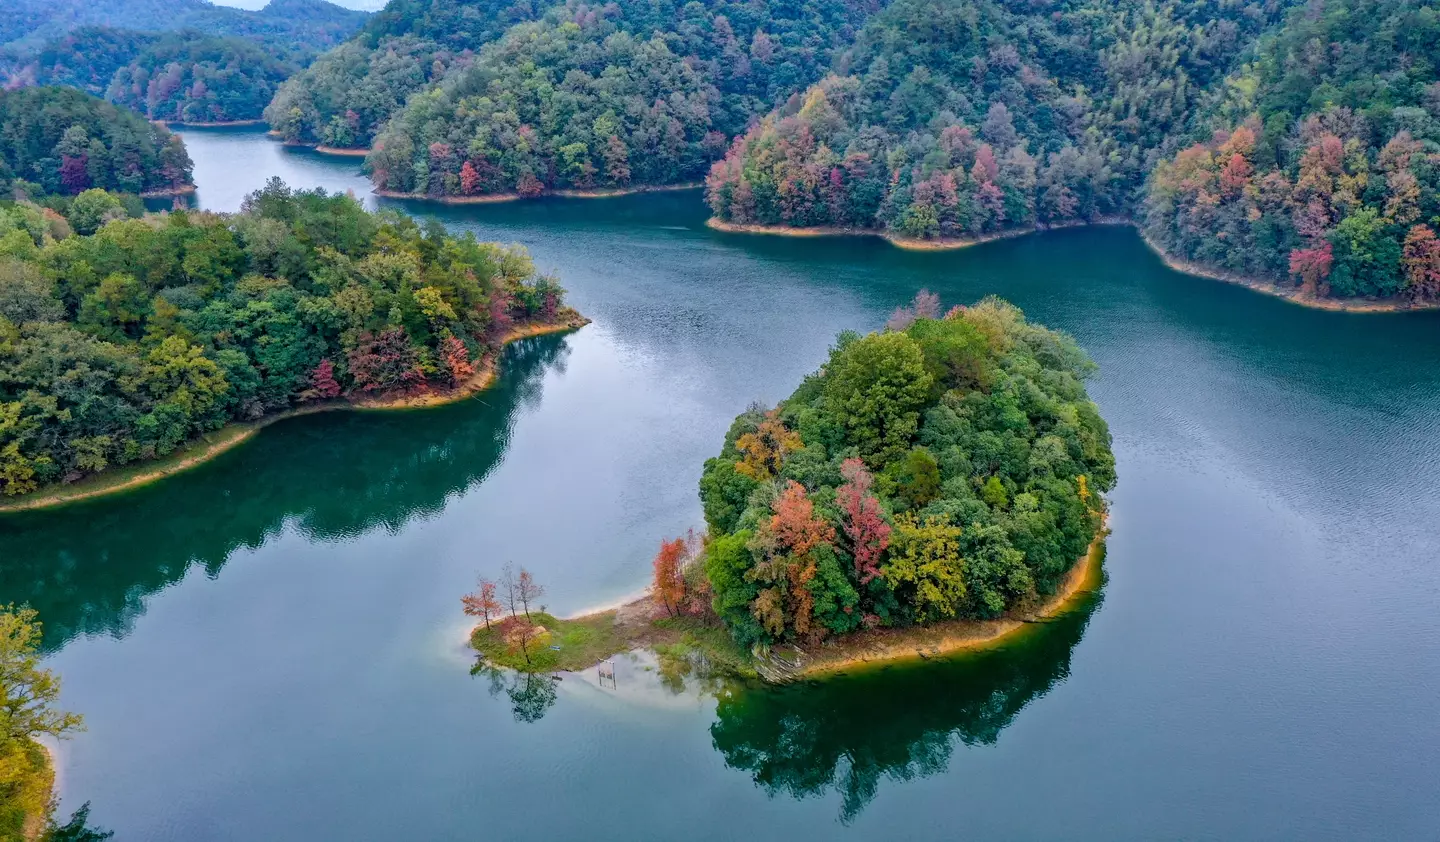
(225, 124)
(491, 198)
(183, 190)
(341, 151)
(233, 435)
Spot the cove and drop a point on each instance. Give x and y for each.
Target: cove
(270, 646)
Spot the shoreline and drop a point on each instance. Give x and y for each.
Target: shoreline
(568, 193)
(902, 242)
(633, 618)
(222, 124)
(1292, 295)
(169, 192)
(342, 151)
(883, 646)
(234, 434)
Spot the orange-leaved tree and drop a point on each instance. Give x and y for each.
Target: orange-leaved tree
(483, 603)
(669, 587)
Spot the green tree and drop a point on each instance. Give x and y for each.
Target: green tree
(877, 385)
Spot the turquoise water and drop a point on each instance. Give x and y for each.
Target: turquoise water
(270, 646)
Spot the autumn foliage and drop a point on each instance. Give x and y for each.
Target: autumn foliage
(946, 470)
(668, 587)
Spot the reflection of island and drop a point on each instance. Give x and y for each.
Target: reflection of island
(531, 694)
(89, 567)
(901, 722)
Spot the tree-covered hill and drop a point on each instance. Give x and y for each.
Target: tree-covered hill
(955, 119)
(946, 468)
(184, 76)
(313, 24)
(344, 98)
(633, 92)
(64, 141)
(122, 338)
(1323, 169)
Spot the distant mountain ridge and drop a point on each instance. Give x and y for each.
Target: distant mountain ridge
(27, 24)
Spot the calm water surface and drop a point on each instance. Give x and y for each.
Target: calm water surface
(270, 647)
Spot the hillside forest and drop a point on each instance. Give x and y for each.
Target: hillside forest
(62, 141)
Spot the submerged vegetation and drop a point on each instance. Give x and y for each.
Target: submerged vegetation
(126, 340)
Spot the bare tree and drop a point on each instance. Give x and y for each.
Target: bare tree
(528, 591)
(510, 585)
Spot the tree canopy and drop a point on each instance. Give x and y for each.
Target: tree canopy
(122, 344)
(945, 468)
(1322, 168)
(65, 141)
(186, 76)
(628, 93)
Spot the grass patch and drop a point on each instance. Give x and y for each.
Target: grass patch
(687, 644)
(583, 642)
(701, 643)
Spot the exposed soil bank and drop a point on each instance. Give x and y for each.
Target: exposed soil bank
(223, 124)
(182, 190)
(233, 435)
(886, 645)
(491, 198)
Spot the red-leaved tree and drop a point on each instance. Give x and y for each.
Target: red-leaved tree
(323, 381)
(483, 603)
(863, 522)
(457, 359)
(669, 586)
(1312, 266)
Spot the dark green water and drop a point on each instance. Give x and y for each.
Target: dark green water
(270, 647)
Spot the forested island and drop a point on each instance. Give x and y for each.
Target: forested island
(124, 339)
(928, 484)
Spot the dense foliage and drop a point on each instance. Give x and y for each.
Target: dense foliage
(953, 119)
(28, 709)
(344, 98)
(1325, 164)
(123, 344)
(313, 24)
(64, 141)
(946, 468)
(605, 96)
(187, 76)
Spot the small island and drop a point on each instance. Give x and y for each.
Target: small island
(138, 345)
(932, 488)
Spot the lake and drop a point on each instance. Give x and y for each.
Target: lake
(270, 647)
